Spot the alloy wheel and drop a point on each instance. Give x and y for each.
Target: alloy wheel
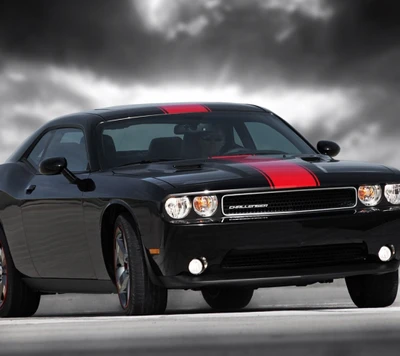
(3, 276)
(121, 266)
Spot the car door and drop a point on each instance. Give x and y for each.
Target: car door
(52, 211)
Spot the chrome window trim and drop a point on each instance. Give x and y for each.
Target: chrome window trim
(286, 212)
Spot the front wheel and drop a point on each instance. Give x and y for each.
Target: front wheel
(373, 291)
(16, 298)
(137, 294)
(227, 298)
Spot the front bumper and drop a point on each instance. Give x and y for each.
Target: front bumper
(277, 278)
(182, 243)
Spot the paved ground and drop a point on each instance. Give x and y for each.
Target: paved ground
(309, 320)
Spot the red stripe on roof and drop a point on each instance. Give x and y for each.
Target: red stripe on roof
(184, 108)
(280, 174)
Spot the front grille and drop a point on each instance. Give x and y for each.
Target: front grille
(295, 201)
(295, 257)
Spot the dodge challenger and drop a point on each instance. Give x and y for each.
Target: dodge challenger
(216, 197)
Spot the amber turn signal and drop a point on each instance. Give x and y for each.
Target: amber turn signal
(205, 205)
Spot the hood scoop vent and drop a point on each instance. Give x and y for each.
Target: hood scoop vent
(188, 167)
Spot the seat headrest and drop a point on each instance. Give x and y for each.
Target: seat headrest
(109, 150)
(191, 146)
(165, 148)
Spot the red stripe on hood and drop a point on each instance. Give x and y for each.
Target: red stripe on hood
(280, 174)
(185, 108)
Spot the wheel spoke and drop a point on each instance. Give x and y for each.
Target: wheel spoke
(2, 255)
(120, 255)
(3, 293)
(121, 250)
(121, 268)
(123, 280)
(3, 275)
(121, 245)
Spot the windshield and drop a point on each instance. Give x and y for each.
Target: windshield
(190, 136)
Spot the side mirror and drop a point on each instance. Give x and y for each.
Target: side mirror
(58, 165)
(53, 166)
(329, 148)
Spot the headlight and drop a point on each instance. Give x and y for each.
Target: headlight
(205, 205)
(178, 208)
(392, 193)
(370, 195)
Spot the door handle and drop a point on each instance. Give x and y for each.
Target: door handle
(30, 189)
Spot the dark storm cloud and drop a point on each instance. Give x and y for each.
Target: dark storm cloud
(359, 47)
(248, 44)
(110, 39)
(364, 38)
(243, 42)
(102, 36)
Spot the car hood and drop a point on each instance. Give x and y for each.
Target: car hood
(248, 171)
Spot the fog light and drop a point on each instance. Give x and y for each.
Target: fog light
(385, 253)
(197, 266)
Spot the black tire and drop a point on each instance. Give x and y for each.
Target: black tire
(227, 298)
(373, 291)
(16, 298)
(142, 296)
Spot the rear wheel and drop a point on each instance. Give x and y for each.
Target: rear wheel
(137, 294)
(16, 298)
(227, 298)
(373, 291)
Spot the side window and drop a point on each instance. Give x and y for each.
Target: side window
(267, 138)
(75, 136)
(69, 143)
(236, 138)
(36, 155)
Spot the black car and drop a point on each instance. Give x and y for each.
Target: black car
(221, 198)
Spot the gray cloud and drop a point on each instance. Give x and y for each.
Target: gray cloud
(27, 123)
(30, 96)
(30, 86)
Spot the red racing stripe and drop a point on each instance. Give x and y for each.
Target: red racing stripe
(184, 108)
(286, 174)
(280, 174)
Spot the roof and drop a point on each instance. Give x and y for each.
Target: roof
(170, 108)
(119, 112)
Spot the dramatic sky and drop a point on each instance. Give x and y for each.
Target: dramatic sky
(329, 67)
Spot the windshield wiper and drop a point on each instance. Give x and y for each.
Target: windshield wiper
(244, 152)
(147, 161)
(269, 152)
